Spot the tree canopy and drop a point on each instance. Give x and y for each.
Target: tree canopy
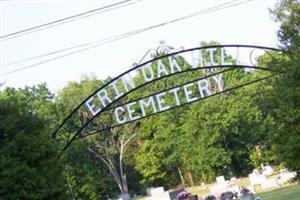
(228, 134)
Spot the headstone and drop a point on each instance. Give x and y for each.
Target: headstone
(221, 186)
(233, 179)
(221, 180)
(260, 179)
(161, 196)
(285, 176)
(270, 183)
(158, 194)
(157, 190)
(267, 170)
(256, 172)
(124, 197)
(256, 178)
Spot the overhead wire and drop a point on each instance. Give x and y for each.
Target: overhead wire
(103, 41)
(57, 51)
(68, 19)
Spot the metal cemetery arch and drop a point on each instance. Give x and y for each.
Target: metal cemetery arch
(100, 101)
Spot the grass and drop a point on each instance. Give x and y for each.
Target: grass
(291, 192)
(285, 193)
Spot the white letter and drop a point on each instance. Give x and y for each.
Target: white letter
(161, 68)
(150, 70)
(198, 58)
(114, 86)
(103, 96)
(161, 102)
(147, 104)
(203, 88)
(176, 95)
(222, 58)
(131, 111)
(211, 55)
(173, 63)
(128, 82)
(218, 79)
(188, 93)
(91, 106)
(117, 114)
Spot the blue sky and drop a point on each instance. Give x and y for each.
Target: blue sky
(248, 23)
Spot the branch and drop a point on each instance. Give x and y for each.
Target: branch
(129, 139)
(110, 167)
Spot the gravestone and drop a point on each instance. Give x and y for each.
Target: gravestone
(285, 176)
(221, 186)
(256, 178)
(260, 179)
(124, 197)
(158, 194)
(267, 170)
(156, 191)
(221, 180)
(270, 183)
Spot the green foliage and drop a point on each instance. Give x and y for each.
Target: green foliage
(224, 130)
(158, 159)
(196, 143)
(287, 13)
(229, 134)
(285, 106)
(87, 178)
(30, 167)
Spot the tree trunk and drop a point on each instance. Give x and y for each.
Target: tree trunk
(111, 169)
(181, 177)
(191, 178)
(107, 158)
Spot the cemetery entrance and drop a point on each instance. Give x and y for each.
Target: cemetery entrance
(165, 82)
(201, 73)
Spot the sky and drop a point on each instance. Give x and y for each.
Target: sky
(248, 23)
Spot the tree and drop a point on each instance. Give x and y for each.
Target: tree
(196, 143)
(87, 177)
(108, 146)
(30, 167)
(158, 158)
(286, 88)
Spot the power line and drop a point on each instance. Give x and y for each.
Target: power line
(109, 38)
(103, 41)
(124, 35)
(67, 19)
(64, 20)
(57, 51)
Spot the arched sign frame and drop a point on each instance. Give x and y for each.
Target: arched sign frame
(110, 105)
